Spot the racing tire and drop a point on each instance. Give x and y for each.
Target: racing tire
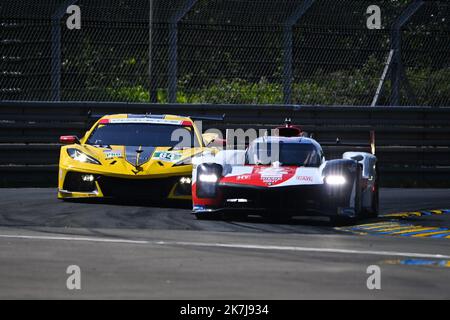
(358, 196)
(375, 204)
(274, 217)
(206, 216)
(232, 216)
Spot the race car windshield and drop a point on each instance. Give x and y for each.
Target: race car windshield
(143, 134)
(287, 154)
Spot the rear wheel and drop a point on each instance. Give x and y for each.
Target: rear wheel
(358, 194)
(375, 204)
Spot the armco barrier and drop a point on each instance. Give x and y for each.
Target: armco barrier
(413, 143)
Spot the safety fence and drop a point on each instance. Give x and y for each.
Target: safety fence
(413, 143)
(324, 52)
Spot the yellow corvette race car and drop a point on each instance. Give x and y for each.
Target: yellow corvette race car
(131, 156)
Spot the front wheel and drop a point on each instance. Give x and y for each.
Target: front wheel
(375, 204)
(206, 216)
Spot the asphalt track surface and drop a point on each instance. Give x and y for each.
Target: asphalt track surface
(140, 251)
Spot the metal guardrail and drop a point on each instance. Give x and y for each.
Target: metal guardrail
(413, 143)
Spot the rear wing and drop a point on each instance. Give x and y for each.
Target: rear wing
(371, 142)
(95, 117)
(208, 118)
(289, 130)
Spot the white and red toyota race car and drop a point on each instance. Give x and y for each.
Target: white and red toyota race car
(285, 176)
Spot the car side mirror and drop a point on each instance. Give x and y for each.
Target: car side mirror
(69, 140)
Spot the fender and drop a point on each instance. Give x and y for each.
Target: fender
(347, 195)
(207, 178)
(370, 180)
(368, 162)
(344, 167)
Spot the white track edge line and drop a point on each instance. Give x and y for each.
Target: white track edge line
(234, 246)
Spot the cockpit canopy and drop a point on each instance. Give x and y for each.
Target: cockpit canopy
(285, 151)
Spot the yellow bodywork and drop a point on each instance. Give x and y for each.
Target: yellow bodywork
(113, 163)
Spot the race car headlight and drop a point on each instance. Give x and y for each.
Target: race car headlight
(209, 178)
(77, 155)
(185, 180)
(87, 178)
(335, 180)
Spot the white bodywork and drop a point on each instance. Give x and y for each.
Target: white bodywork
(233, 163)
(236, 173)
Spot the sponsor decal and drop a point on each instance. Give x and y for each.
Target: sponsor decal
(147, 116)
(243, 177)
(167, 156)
(305, 178)
(271, 180)
(146, 120)
(272, 175)
(112, 154)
